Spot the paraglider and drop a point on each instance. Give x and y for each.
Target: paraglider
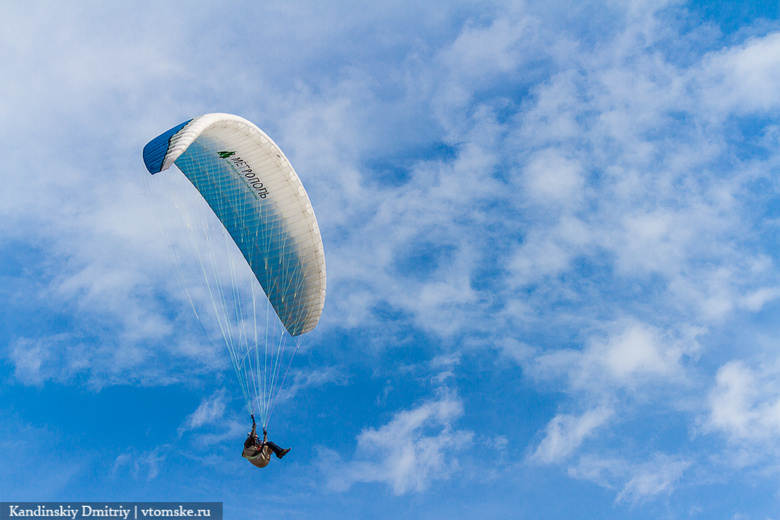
(259, 452)
(266, 214)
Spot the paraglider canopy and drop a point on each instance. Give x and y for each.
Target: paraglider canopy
(254, 191)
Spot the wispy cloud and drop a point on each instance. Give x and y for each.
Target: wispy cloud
(653, 478)
(627, 355)
(565, 433)
(416, 448)
(209, 411)
(639, 481)
(141, 465)
(742, 79)
(744, 405)
(302, 380)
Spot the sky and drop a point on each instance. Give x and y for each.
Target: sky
(551, 233)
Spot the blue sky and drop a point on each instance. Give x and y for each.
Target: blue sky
(551, 235)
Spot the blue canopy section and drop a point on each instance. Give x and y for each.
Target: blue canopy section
(156, 149)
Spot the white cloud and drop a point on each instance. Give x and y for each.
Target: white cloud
(481, 55)
(638, 482)
(542, 254)
(755, 300)
(144, 464)
(551, 177)
(66, 358)
(210, 410)
(744, 404)
(732, 399)
(28, 356)
(307, 379)
(638, 350)
(416, 448)
(629, 355)
(613, 375)
(744, 78)
(656, 477)
(604, 471)
(566, 433)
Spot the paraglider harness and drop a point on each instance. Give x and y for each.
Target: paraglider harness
(253, 441)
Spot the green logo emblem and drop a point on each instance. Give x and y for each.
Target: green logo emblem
(225, 155)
